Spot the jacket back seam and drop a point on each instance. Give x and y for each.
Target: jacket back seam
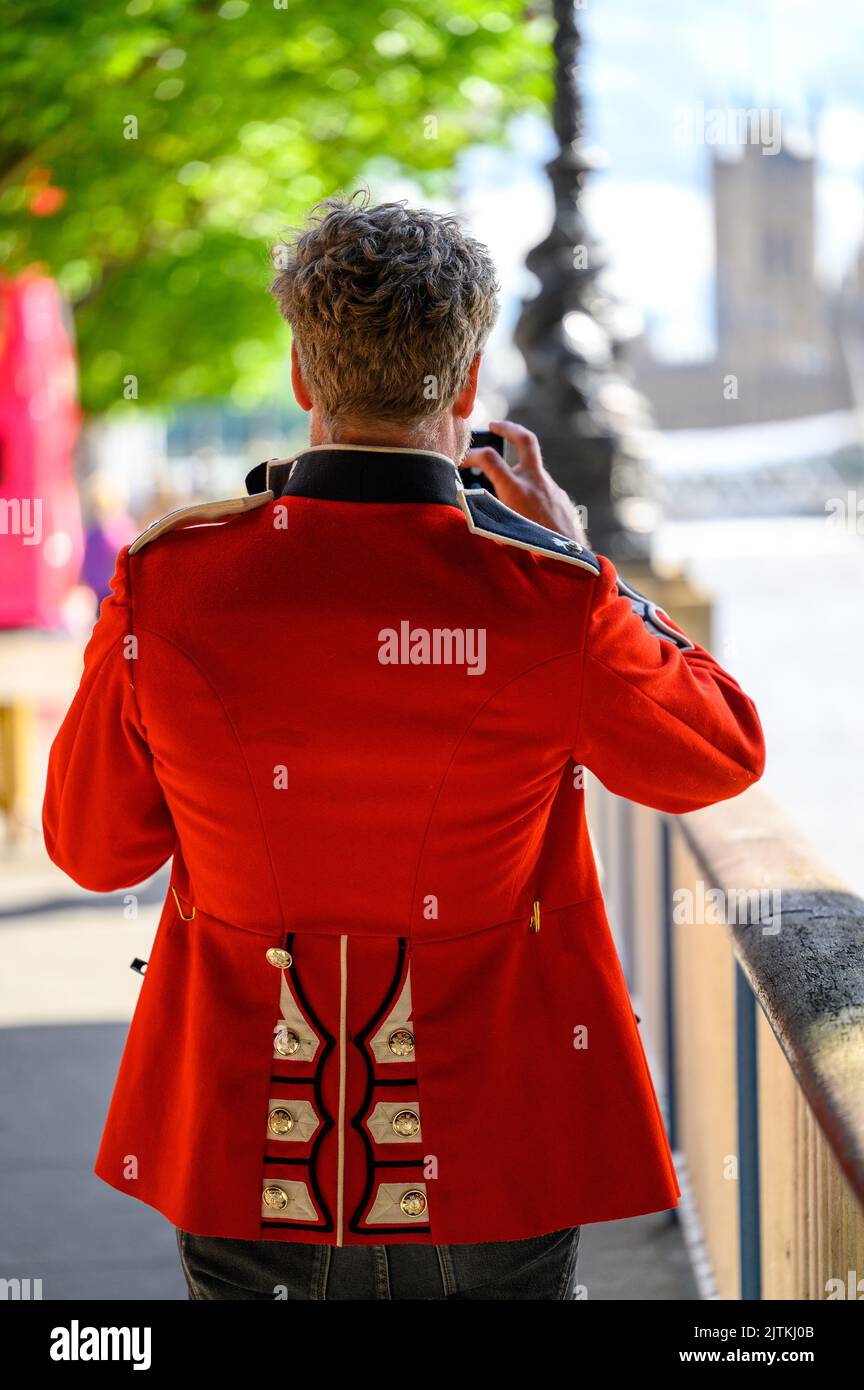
(264, 836)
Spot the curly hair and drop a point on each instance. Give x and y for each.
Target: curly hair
(388, 306)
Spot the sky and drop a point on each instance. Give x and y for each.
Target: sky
(650, 70)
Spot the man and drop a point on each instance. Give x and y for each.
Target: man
(354, 706)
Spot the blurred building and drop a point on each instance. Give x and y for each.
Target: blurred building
(786, 346)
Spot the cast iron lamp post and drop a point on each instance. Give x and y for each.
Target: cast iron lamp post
(587, 417)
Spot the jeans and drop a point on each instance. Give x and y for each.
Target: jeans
(543, 1267)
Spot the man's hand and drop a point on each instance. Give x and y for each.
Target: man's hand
(527, 488)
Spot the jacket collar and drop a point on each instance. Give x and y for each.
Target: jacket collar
(360, 473)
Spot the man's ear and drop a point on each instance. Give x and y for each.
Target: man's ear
(298, 385)
(463, 405)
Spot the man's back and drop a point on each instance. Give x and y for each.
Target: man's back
(384, 962)
(381, 714)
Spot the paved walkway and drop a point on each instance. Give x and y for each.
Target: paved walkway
(66, 996)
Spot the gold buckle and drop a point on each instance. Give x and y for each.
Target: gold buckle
(535, 916)
(179, 908)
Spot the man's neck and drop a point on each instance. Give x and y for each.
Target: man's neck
(440, 437)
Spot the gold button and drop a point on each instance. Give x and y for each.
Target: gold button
(407, 1122)
(401, 1042)
(277, 956)
(413, 1203)
(287, 1042)
(280, 1121)
(276, 1198)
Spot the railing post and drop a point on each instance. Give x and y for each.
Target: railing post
(747, 1087)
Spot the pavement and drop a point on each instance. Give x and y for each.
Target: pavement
(66, 997)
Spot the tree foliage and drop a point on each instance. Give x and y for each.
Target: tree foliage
(151, 153)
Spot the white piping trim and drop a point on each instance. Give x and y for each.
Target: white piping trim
(292, 1019)
(340, 1161)
(380, 1122)
(656, 615)
(306, 1120)
(681, 639)
(387, 1207)
(201, 512)
(461, 496)
(483, 492)
(398, 1017)
(299, 1205)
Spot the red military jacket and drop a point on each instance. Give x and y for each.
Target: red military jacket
(353, 709)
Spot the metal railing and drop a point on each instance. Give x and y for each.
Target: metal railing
(745, 959)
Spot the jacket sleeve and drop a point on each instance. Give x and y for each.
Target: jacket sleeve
(660, 722)
(104, 817)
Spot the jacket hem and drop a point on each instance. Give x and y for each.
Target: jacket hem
(468, 1236)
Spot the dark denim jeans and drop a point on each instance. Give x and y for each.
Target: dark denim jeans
(543, 1267)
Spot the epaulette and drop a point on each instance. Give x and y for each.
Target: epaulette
(200, 512)
(486, 516)
(654, 619)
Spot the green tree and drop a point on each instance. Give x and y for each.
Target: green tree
(150, 154)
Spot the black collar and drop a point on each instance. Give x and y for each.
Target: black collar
(359, 474)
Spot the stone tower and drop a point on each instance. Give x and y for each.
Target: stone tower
(771, 313)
